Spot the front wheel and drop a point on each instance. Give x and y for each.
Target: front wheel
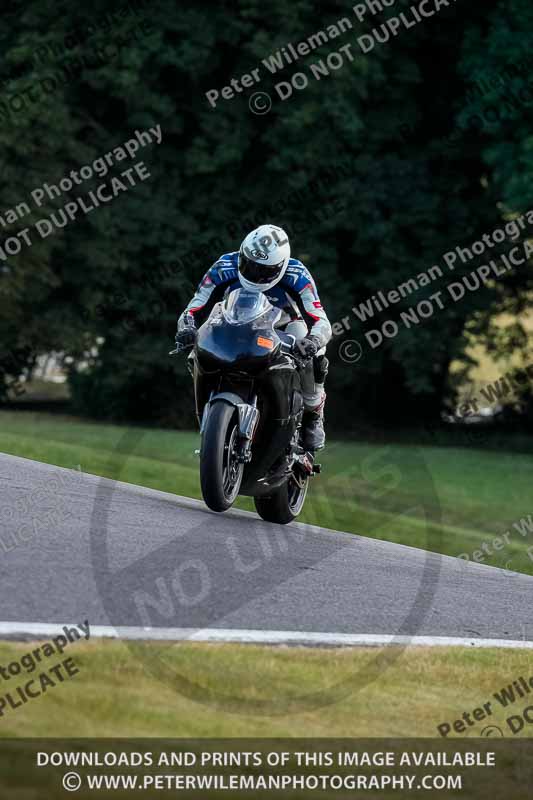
(284, 504)
(220, 469)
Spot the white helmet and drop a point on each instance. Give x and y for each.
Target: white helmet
(263, 258)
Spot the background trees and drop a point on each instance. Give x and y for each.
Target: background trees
(376, 170)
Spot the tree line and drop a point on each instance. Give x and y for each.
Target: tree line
(355, 168)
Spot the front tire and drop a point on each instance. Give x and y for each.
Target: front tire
(220, 471)
(284, 504)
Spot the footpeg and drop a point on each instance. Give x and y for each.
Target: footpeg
(306, 464)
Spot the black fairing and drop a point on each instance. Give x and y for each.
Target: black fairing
(222, 346)
(239, 359)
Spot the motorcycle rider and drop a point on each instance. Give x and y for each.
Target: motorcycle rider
(264, 264)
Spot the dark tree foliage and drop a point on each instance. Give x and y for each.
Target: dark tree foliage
(376, 171)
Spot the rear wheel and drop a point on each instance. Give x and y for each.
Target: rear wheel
(284, 504)
(220, 469)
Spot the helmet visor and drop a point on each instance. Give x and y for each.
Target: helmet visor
(259, 273)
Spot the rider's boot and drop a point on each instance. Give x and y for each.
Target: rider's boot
(314, 436)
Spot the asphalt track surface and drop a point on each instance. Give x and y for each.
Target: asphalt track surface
(76, 547)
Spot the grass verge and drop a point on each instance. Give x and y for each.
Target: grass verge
(251, 691)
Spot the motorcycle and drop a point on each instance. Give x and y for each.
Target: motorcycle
(249, 404)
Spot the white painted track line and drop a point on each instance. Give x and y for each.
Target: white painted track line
(38, 630)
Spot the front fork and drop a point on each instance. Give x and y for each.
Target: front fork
(248, 420)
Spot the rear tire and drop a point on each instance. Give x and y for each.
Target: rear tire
(220, 472)
(284, 504)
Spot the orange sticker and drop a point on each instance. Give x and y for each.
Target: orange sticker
(267, 343)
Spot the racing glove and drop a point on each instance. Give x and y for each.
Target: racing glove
(187, 332)
(308, 347)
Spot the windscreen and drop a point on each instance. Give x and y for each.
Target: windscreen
(242, 306)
